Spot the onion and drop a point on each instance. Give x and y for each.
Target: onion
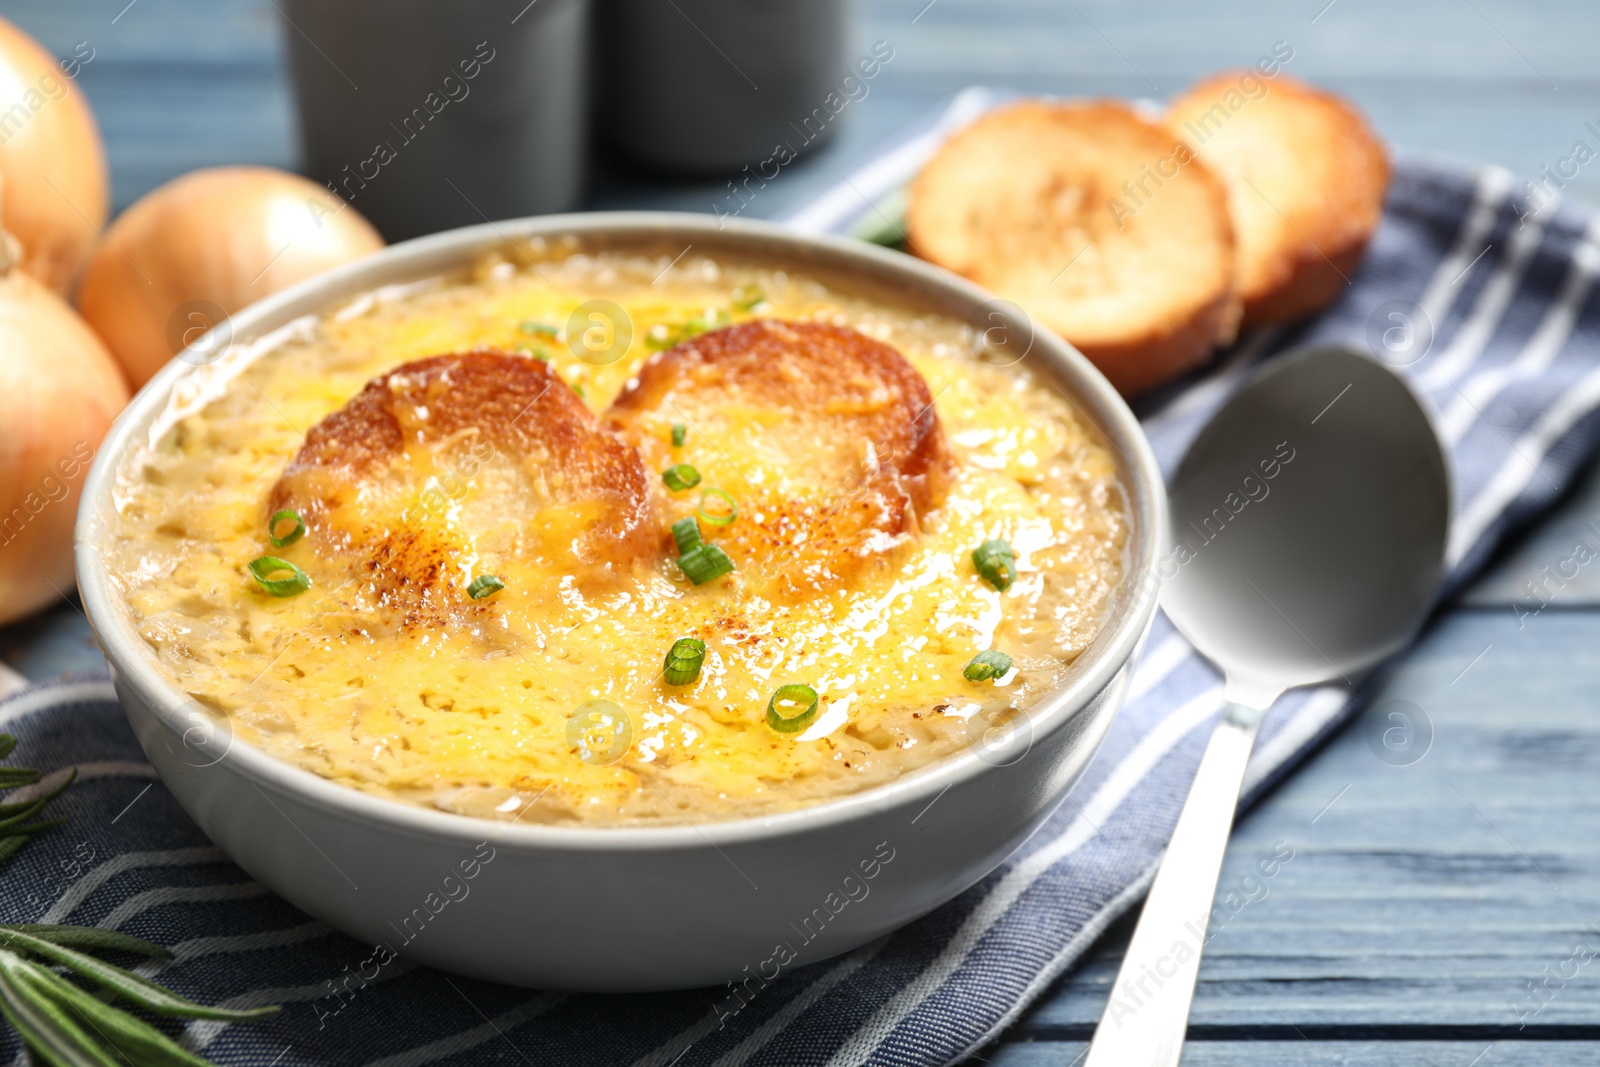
(52, 164)
(59, 391)
(204, 246)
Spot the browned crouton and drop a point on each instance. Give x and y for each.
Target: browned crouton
(1306, 179)
(468, 457)
(1100, 224)
(826, 439)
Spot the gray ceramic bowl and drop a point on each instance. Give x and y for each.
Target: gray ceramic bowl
(634, 908)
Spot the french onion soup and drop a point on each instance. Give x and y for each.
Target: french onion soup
(599, 539)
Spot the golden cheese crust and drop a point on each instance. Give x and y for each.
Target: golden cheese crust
(827, 439)
(467, 455)
(1306, 178)
(471, 706)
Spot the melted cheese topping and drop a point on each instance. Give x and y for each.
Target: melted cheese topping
(494, 715)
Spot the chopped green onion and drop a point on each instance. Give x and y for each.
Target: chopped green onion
(704, 562)
(684, 660)
(680, 477)
(263, 567)
(663, 336)
(539, 329)
(579, 390)
(748, 296)
(295, 533)
(717, 518)
(687, 533)
(679, 433)
(997, 562)
(792, 708)
(484, 585)
(987, 665)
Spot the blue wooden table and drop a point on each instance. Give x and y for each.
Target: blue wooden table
(1441, 912)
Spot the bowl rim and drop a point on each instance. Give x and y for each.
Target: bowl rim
(135, 665)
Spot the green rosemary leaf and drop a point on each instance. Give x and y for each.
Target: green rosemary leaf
(27, 812)
(7, 810)
(63, 1024)
(11, 777)
(124, 983)
(47, 1029)
(134, 1038)
(87, 937)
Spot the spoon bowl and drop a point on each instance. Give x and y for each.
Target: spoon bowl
(1310, 517)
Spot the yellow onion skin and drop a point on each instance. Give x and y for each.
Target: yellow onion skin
(204, 246)
(59, 391)
(53, 179)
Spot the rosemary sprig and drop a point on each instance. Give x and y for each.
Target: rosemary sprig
(64, 1024)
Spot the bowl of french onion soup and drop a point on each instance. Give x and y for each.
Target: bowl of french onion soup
(622, 601)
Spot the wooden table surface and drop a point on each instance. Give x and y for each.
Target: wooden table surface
(1422, 900)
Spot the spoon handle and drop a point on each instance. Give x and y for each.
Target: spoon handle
(1145, 1021)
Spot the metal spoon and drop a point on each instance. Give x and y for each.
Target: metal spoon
(1309, 525)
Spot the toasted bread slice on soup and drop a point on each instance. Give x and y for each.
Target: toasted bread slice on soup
(827, 440)
(1099, 223)
(461, 461)
(1306, 177)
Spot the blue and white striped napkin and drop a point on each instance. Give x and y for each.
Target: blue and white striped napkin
(1501, 295)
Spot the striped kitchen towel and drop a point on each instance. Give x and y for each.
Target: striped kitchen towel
(1487, 295)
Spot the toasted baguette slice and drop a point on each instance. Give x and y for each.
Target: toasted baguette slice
(827, 439)
(1306, 177)
(1097, 222)
(475, 456)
